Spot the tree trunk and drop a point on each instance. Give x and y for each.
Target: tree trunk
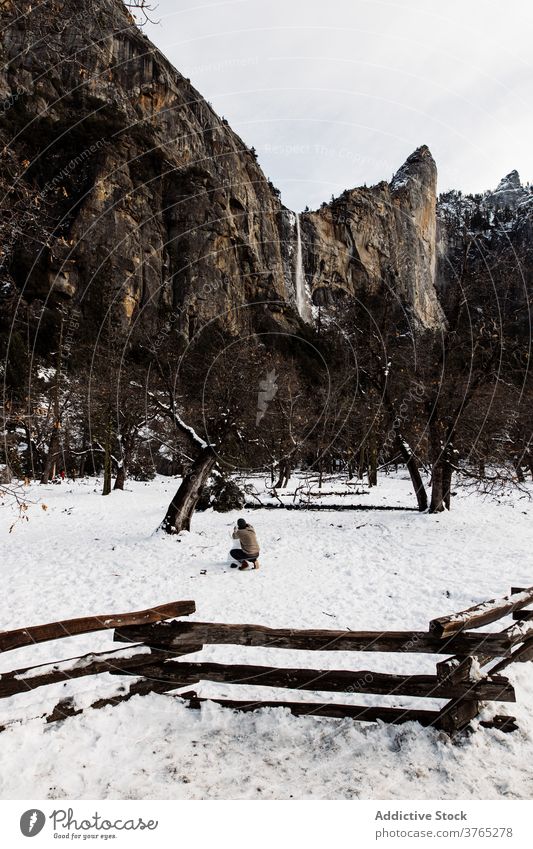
(447, 482)
(120, 479)
(30, 463)
(127, 445)
(362, 464)
(284, 474)
(181, 508)
(414, 472)
(55, 444)
(437, 487)
(53, 452)
(441, 482)
(372, 461)
(441, 441)
(107, 460)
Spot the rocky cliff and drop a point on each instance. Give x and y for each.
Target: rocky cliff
(488, 232)
(151, 200)
(509, 193)
(384, 236)
(121, 186)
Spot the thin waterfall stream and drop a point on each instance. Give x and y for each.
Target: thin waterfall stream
(302, 298)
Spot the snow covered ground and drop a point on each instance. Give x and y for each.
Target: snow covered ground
(372, 570)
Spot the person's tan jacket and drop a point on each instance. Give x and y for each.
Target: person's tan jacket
(247, 539)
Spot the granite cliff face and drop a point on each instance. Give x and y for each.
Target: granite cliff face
(137, 195)
(384, 236)
(150, 197)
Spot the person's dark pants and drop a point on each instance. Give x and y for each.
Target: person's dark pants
(239, 554)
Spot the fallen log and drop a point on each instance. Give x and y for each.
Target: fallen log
(70, 627)
(329, 494)
(251, 505)
(338, 681)
(480, 614)
(174, 635)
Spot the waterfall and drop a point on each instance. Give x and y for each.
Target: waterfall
(302, 300)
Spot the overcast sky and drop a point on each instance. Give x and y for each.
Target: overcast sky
(337, 93)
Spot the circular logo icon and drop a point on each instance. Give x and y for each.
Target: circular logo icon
(32, 822)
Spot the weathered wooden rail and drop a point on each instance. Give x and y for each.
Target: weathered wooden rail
(482, 614)
(157, 640)
(71, 627)
(181, 634)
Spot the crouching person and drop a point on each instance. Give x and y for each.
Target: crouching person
(248, 554)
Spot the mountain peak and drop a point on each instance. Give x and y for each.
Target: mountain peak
(510, 182)
(422, 152)
(419, 169)
(509, 192)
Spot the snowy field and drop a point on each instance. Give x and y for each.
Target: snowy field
(373, 570)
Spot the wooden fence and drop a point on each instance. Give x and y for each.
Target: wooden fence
(157, 639)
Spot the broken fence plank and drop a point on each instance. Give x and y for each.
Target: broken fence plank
(507, 724)
(456, 715)
(455, 669)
